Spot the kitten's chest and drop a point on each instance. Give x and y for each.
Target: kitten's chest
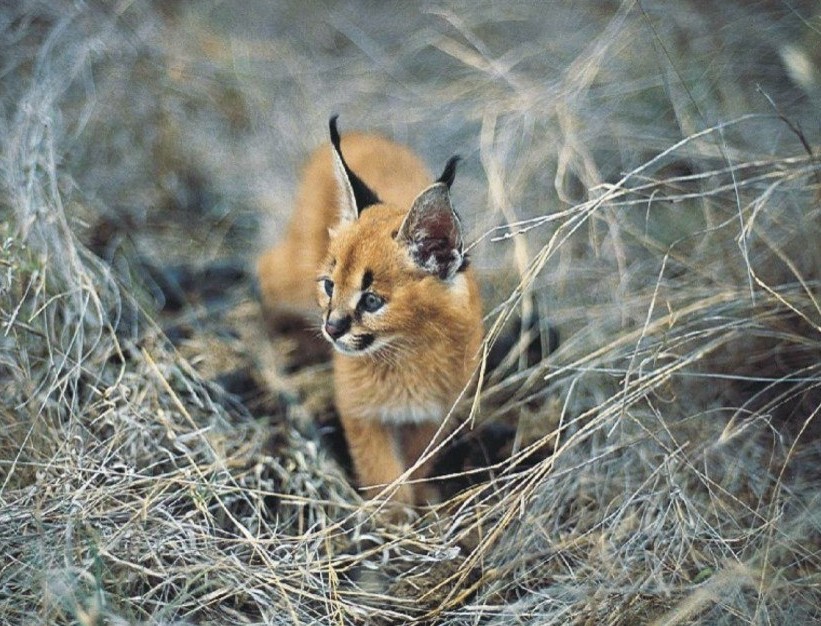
(405, 411)
(412, 394)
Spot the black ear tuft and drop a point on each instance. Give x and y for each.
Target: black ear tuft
(363, 194)
(334, 132)
(450, 171)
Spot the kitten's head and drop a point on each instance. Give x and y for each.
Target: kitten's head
(387, 267)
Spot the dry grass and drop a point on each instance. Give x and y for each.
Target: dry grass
(648, 171)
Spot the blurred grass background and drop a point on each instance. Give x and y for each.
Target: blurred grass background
(644, 174)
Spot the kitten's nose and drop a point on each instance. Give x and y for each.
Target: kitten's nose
(337, 327)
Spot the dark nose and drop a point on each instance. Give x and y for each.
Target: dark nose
(337, 327)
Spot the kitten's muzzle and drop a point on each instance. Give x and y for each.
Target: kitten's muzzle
(335, 327)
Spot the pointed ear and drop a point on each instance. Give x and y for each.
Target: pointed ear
(354, 194)
(347, 200)
(432, 233)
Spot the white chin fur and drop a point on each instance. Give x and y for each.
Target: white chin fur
(342, 346)
(343, 349)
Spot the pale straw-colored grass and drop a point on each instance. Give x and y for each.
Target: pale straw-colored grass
(648, 174)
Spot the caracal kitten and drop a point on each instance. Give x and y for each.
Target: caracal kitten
(382, 246)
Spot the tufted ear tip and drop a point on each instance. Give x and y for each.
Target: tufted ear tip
(449, 172)
(334, 131)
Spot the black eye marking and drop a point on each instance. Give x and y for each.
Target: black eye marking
(328, 286)
(367, 280)
(370, 302)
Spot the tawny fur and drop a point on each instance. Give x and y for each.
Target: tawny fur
(393, 397)
(287, 272)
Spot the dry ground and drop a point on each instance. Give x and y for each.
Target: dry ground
(639, 178)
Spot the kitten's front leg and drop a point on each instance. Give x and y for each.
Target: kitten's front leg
(376, 457)
(415, 439)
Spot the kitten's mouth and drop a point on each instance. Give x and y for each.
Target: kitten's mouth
(352, 345)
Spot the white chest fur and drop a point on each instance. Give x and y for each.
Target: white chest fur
(407, 413)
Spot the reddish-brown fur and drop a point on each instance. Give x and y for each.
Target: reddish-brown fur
(287, 272)
(393, 395)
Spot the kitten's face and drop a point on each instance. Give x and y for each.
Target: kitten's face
(364, 284)
(386, 267)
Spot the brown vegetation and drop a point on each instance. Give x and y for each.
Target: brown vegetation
(647, 172)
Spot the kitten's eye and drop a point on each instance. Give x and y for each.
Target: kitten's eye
(371, 303)
(328, 285)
